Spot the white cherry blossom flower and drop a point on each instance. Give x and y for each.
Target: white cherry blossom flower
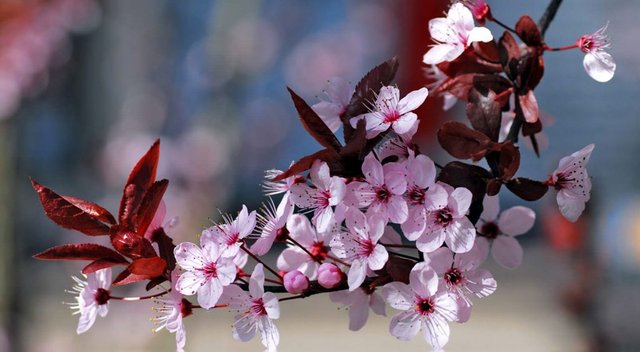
(172, 309)
(572, 182)
(272, 188)
(271, 224)
(597, 62)
(230, 234)
(392, 112)
(359, 302)
(423, 307)
(499, 230)
(339, 92)
(92, 298)
(256, 311)
(453, 34)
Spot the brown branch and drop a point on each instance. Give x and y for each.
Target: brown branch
(548, 15)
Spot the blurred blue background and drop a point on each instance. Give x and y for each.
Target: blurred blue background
(86, 86)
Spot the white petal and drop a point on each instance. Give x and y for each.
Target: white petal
(441, 30)
(423, 280)
(302, 195)
(507, 252)
(323, 218)
(209, 293)
(480, 282)
(412, 100)
(516, 220)
(436, 331)
(320, 175)
(490, 208)
(271, 305)
(189, 282)
(460, 201)
(338, 189)
(357, 274)
(256, 282)
(189, 256)
(460, 235)
(358, 315)
(244, 328)
(570, 206)
(378, 258)
(372, 170)
(269, 335)
(398, 295)
(599, 66)
(405, 325)
(87, 318)
(300, 229)
(479, 34)
(460, 17)
(441, 53)
(405, 123)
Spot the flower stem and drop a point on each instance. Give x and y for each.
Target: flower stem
(403, 256)
(244, 248)
(503, 25)
(139, 298)
(317, 260)
(562, 48)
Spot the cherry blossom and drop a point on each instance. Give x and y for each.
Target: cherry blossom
(315, 243)
(272, 224)
(295, 282)
(206, 270)
(359, 302)
(339, 92)
(446, 220)
(328, 191)
(421, 174)
(360, 247)
(453, 34)
(329, 275)
(572, 182)
(172, 309)
(92, 298)
(255, 310)
(479, 8)
(230, 235)
(383, 189)
(499, 231)
(434, 74)
(272, 188)
(597, 62)
(423, 307)
(392, 112)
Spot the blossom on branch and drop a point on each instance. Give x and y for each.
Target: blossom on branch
(572, 182)
(597, 62)
(92, 298)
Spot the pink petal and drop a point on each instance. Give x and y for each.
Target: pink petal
(375, 124)
(208, 293)
(460, 201)
(376, 226)
(507, 252)
(570, 206)
(405, 123)
(479, 34)
(271, 305)
(338, 190)
(529, 105)
(357, 274)
(480, 282)
(323, 219)
(397, 209)
(378, 258)
(490, 208)
(226, 270)
(405, 325)
(256, 282)
(244, 328)
(415, 224)
(269, 335)
(422, 171)
(358, 315)
(377, 304)
(302, 195)
(460, 235)
(600, 66)
(189, 282)
(292, 258)
(87, 318)
(436, 331)
(482, 247)
(300, 229)
(441, 260)
(516, 220)
(339, 91)
(436, 197)
(329, 113)
(395, 177)
(320, 175)
(423, 280)
(412, 100)
(398, 295)
(442, 52)
(430, 241)
(372, 170)
(189, 256)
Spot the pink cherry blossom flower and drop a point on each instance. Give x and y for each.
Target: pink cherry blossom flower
(597, 62)
(461, 277)
(446, 220)
(499, 231)
(328, 192)
(271, 224)
(255, 311)
(360, 247)
(272, 188)
(230, 234)
(421, 174)
(206, 270)
(479, 8)
(339, 92)
(329, 275)
(572, 182)
(295, 282)
(383, 189)
(359, 302)
(438, 77)
(424, 307)
(315, 243)
(392, 112)
(399, 147)
(172, 309)
(92, 298)
(453, 34)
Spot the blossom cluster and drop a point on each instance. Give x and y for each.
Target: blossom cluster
(370, 220)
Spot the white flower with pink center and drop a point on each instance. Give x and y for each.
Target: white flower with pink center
(498, 231)
(92, 298)
(206, 270)
(421, 174)
(461, 276)
(597, 62)
(423, 307)
(446, 220)
(172, 308)
(360, 246)
(572, 182)
(230, 235)
(383, 189)
(272, 224)
(255, 311)
(453, 34)
(327, 192)
(315, 244)
(392, 112)
(359, 302)
(339, 92)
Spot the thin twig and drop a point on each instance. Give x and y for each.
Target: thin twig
(548, 15)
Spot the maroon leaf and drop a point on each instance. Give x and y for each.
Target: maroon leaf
(509, 54)
(487, 51)
(459, 86)
(529, 129)
(155, 282)
(165, 247)
(140, 179)
(141, 269)
(399, 268)
(527, 189)
(472, 177)
(92, 209)
(493, 187)
(484, 113)
(82, 251)
(314, 124)
(149, 205)
(509, 161)
(306, 162)
(462, 142)
(532, 70)
(131, 244)
(355, 146)
(367, 89)
(67, 215)
(528, 31)
(469, 62)
(100, 264)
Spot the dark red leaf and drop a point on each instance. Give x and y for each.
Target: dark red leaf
(469, 62)
(314, 124)
(100, 264)
(367, 89)
(140, 179)
(462, 142)
(529, 129)
(165, 247)
(155, 282)
(306, 162)
(532, 70)
(399, 268)
(355, 146)
(487, 51)
(92, 209)
(509, 161)
(82, 251)
(149, 205)
(67, 215)
(131, 244)
(509, 54)
(493, 187)
(484, 113)
(459, 86)
(527, 189)
(141, 269)
(472, 177)
(528, 31)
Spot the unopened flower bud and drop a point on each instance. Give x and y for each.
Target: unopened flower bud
(295, 282)
(329, 275)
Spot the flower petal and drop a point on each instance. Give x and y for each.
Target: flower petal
(599, 66)
(479, 34)
(516, 220)
(507, 252)
(412, 100)
(405, 325)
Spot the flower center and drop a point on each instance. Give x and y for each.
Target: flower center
(101, 296)
(453, 276)
(490, 230)
(425, 306)
(416, 196)
(210, 270)
(319, 251)
(382, 194)
(282, 234)
(444, 217)
(257, 307)
(366, 247)
(391, 116)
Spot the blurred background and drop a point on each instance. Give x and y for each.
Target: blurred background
(86, 86)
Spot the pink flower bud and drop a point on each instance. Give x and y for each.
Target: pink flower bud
(295, 282)
(329, 275)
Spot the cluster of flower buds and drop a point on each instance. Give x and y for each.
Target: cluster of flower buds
(370, 220)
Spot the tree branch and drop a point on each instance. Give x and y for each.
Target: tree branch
(548, 15)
